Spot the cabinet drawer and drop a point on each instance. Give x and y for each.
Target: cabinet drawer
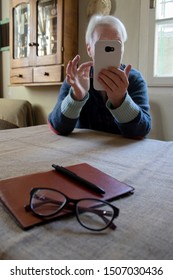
(21, 76)
(48, 74)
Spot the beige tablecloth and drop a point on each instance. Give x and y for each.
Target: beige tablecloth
(145, 224)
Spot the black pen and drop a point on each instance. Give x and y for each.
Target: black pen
(79, 179)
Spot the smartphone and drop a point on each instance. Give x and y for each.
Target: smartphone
(107, 53)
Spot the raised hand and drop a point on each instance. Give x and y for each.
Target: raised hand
(78, 77)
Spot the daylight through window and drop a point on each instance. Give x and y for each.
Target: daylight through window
(163, 62)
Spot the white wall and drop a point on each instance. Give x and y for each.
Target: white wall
(161, 102)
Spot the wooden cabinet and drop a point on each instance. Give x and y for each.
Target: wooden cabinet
(43, 38)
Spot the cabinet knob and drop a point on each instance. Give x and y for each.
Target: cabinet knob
(46, 74)
(17, 76)
(33, 44)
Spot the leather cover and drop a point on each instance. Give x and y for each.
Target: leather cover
(15, 192)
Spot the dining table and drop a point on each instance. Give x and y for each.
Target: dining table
(145, 223)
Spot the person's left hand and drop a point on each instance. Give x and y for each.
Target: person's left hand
(115, 83)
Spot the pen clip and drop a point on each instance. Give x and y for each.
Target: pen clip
(59, 168)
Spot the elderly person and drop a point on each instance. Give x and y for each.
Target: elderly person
(121, 108)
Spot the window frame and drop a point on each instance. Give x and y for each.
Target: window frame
(146, 47)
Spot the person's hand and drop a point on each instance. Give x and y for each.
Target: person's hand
(78, 77)
(115, 83)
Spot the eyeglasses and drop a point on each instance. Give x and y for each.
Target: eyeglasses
(93, 214)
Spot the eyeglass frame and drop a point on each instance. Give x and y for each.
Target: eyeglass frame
(69, 200)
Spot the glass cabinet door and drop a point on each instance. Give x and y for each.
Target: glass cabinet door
(21, 18)
(46, 27)
(43, 38)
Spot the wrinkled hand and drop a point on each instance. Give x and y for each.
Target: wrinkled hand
(115, 83)
(78, 77)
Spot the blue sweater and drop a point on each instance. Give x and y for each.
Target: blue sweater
(131, 119)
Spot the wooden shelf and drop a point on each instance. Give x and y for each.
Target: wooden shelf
(42, 84)
(36, 84)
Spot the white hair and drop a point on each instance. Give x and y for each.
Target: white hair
(112, 21)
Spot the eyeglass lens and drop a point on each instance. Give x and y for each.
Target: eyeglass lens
(47, 202)
(93, 214)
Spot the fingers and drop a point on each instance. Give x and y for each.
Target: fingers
(69, 80)
(84, 69)
(121, 75)
(78, 76)
(72, 65)
(113, 76)
(127, 70)
(85, 65)
(115, 82)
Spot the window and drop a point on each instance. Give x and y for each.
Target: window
(157, 17)
(163, 64)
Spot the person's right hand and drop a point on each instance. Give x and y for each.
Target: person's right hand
(78, 77)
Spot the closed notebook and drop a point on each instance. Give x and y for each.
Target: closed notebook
(15, 192)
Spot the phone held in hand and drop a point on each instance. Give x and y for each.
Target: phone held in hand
(107, 53)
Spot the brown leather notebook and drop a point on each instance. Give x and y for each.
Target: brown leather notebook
(15, 192)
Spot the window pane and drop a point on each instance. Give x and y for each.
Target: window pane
(164, 49)
(164, 9)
